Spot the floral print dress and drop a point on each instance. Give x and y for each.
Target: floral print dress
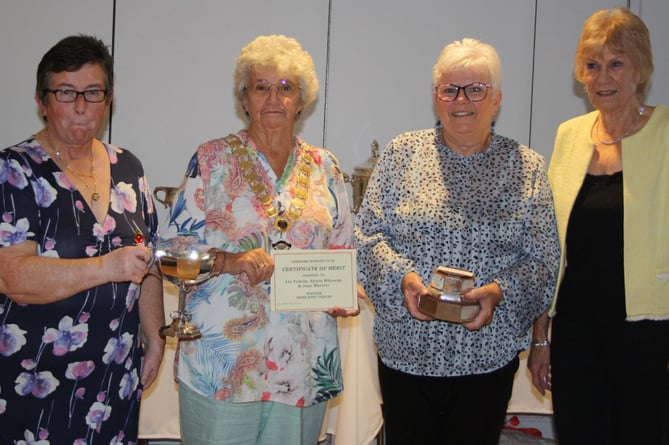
(249, 353)
(69, 370)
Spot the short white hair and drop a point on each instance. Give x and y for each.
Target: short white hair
(466, 54)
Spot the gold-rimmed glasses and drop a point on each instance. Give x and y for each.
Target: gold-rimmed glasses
(284, 88)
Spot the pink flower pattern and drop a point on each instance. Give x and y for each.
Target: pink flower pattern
(67, 337)
(250, 353)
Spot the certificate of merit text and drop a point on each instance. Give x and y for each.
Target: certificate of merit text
(314, 280)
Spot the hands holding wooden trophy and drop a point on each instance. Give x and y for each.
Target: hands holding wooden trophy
(444, 300)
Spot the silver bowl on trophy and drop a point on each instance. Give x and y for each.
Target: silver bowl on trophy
(185, 262)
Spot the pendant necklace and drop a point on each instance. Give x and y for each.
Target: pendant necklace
(281, 244)
(642, 109)
(95, 196)
(282, 218)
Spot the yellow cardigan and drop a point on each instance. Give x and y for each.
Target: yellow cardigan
(645, 158)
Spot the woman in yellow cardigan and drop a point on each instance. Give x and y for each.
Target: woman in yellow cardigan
(609, 350)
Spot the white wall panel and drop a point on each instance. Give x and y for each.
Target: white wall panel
(655, 14)
(27, 30)
(381, 59)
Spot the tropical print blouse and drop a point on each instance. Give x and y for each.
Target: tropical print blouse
(247, 351)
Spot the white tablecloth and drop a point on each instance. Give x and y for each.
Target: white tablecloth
(354, 418)
(159, 412)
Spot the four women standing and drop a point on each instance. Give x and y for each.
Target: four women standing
(279, 192)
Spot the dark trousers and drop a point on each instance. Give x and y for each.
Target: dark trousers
(610, 384)
(466, 410)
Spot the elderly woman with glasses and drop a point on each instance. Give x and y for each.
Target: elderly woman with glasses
(461, 196)
(79, 316)
(607, 361)
(257, 376)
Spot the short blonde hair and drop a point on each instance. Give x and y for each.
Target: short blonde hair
(621, 32)
(280, 53)
(467, 54)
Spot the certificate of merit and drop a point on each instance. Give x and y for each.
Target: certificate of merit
(314, 280)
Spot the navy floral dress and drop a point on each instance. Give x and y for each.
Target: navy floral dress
(69, 370)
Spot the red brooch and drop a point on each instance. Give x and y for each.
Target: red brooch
(139, 236)
(138, 239)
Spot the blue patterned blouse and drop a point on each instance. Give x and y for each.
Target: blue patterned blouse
(491, 213)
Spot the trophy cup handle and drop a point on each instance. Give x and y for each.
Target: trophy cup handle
(360, 176)
(167, 193)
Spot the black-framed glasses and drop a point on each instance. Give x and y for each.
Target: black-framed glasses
(475, 91)
(284, 88)
(67, 95)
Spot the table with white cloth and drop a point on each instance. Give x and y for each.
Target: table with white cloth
(353, 418)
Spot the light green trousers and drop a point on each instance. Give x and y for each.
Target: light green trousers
(212, 422)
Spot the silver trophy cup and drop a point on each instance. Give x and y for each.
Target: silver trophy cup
(183, 262)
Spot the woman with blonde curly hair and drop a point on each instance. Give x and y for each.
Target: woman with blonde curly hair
(258, 376)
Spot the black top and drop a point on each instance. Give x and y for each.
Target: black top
(593, 288)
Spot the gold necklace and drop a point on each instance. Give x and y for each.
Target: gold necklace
(642, 109)
(95, 196)
(281, 220)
